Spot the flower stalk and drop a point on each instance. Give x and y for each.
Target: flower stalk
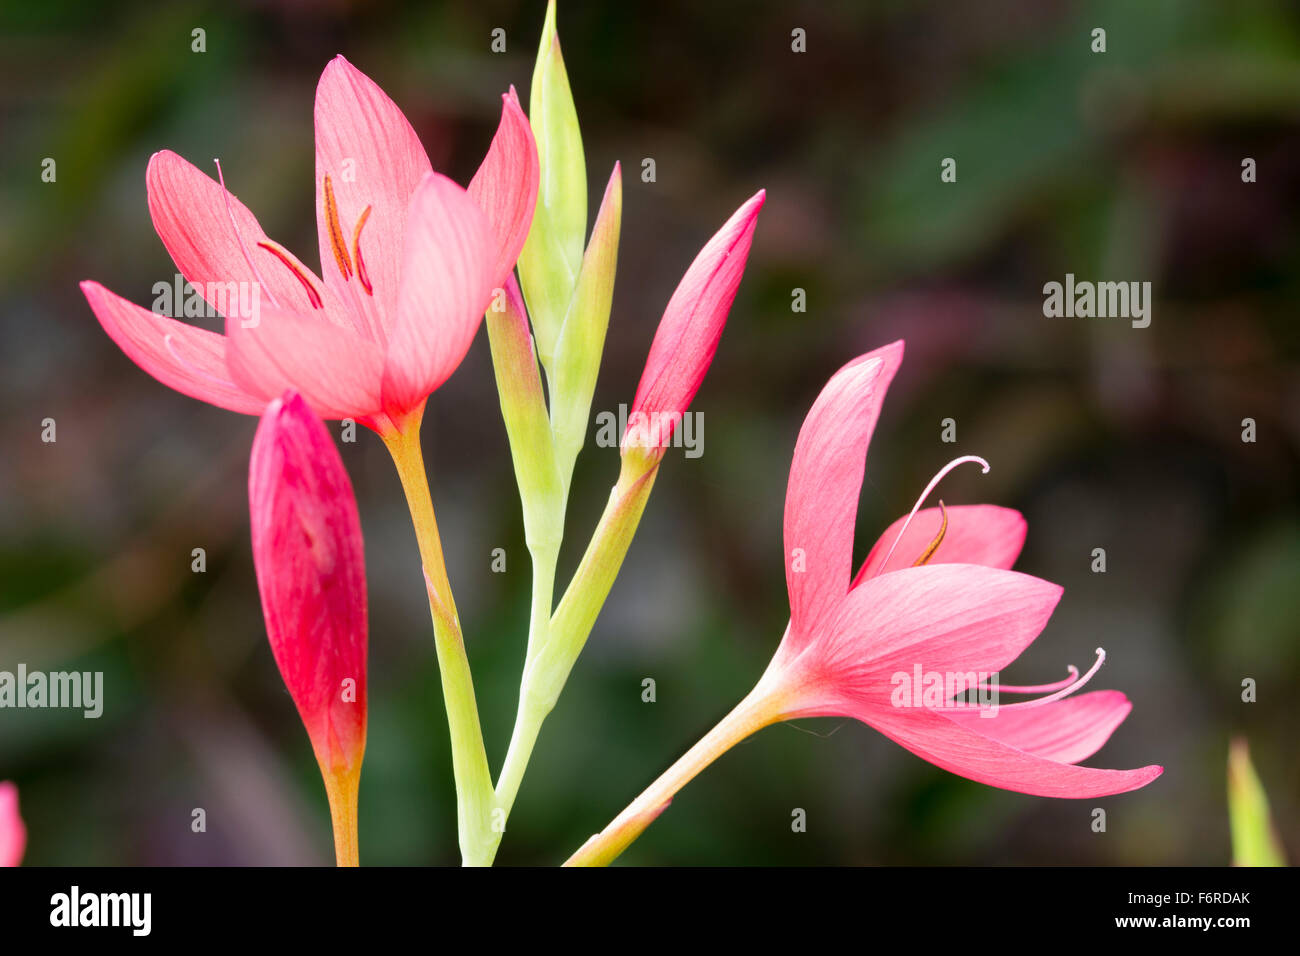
(341, 788)
(751, 715)
(469, 758)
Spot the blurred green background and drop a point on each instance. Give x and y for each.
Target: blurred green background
(1124, 166)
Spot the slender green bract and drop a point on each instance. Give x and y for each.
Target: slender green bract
(552, 255)
(1254, 839)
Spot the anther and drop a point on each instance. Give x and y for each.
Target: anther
(356, 252)
(933, 546)
(337, 243)
(925, 494)
(293, 266)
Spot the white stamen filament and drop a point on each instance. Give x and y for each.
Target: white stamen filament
(1063, 692)
(926, 494)
(1037, 688)
(225, 195)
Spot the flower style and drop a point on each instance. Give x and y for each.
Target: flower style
(942, 599)
(310, 562)
(13, 833)
(409, 262)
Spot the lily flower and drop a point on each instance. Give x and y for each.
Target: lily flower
(13, 834)
(310, 562)
(409, 263)
(942, 598)
(936, 596)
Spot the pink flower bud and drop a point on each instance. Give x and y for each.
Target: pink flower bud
(13, 834)
(689, 331)
(310, 562)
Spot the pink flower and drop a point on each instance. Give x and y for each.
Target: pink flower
(937, 601)
(310, 562)
(689, 331)
(13, 834)
(409, 263)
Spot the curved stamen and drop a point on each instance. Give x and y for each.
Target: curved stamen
(1036, 688)
(1063, 692)
(225, 195)
(300, 273)
(937, 540)
(167, 341)
(925, 494)
(338, 244)
(356, 252)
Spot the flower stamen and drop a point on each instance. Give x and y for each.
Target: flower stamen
(1064, 691)
(1037, 688)
(337, 243)
(356, 252)
(933, 546)
(921, 500)
(292, 264)
(225, 195)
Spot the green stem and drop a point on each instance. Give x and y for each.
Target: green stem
(474, 799)
(752, 714)
(544, 557)
(551, 660)
(576, 614)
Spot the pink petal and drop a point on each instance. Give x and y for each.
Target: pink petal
(188, 359)
(933, 736)
(310, 562)
(190, 213)
(689, 331)
(13, 833)
(976, 534)
(373, 158)
(957, 618)
(338, 372)
(505, 186)
(1066, 730)
(821, 502)
(446, 287)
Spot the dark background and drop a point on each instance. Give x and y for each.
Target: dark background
(1124, 166)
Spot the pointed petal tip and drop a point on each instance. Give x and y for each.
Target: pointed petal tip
(337, 64)
(1141, 776)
